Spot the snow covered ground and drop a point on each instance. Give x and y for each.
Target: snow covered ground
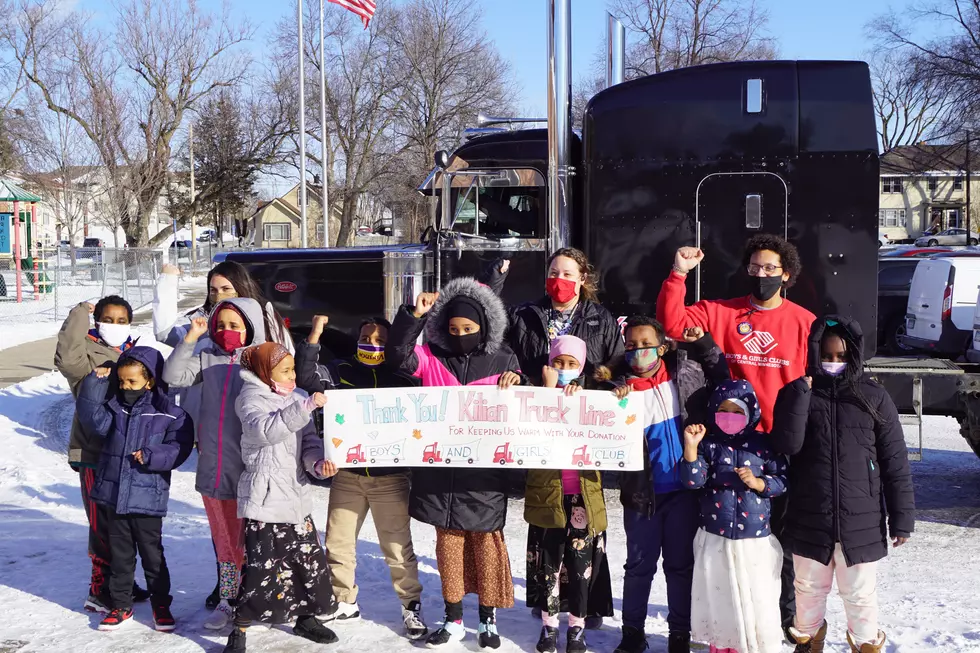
(928, 589)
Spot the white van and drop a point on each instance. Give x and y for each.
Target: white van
(942, 302)
(973, 353)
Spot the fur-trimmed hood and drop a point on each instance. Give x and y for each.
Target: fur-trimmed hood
(437, 328)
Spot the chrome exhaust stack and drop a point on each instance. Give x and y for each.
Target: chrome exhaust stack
(559, 124)
(615, 51)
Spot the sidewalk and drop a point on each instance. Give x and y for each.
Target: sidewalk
(35, 358)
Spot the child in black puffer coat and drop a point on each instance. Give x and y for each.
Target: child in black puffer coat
(849, 470)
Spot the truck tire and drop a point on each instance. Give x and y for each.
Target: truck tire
(970, 422)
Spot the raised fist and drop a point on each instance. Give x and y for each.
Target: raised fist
(319, 399)
(199, 326)
(687, 258)
(693, 334)
(319, 324)
(170, 269)
(425, 302)
(693, 434)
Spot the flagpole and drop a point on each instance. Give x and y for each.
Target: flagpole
(302, 131)
(323, 137)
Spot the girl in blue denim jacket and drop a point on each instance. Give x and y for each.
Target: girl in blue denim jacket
(735, 595)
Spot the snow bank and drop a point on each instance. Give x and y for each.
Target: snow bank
(927, 588)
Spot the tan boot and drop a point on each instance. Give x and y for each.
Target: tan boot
(807, 643)
(874, 647)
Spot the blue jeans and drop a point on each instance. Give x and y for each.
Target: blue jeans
(670, 532)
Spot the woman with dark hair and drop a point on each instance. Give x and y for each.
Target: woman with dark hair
(570, 307)
(850, 486)
(225, 280)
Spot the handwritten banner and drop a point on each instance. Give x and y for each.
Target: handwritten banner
(481, 426)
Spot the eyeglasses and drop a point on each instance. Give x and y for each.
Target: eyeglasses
(768, 268)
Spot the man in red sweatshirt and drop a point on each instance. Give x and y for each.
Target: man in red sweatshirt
(764, 338)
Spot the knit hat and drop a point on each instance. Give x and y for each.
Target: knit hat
(466, 307)
(260, 360)
(568, 346)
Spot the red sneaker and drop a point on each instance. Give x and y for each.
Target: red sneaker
(163, 620)
(115, 619)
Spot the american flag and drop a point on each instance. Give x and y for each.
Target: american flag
(363, 8)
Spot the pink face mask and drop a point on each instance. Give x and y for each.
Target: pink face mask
(283, 389)
(731, 423)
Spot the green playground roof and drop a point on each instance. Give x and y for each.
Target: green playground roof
(11, 192)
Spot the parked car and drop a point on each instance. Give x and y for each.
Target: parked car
(207, 236)
(180, 244)
(901, 252)
(894, 281)
(942, 301)
(947, 237)
(91, 248)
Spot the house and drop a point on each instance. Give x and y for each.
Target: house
(923, 187)
(277, 223)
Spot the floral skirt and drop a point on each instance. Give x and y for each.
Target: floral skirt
(567, 569)
(285, 573)
(474, 563)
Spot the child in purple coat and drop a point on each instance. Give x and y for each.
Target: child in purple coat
(735, 594)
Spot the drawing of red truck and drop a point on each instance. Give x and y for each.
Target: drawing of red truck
(580, 456)
(355, 456)
(432, 454)
(502, 454)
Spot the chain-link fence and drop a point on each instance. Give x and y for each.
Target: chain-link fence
(198, 258)
(58, 279)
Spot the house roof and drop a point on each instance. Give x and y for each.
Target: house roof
(924, 158)
(11, 192)
(287, 208)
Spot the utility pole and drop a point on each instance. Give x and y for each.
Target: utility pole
(969, 234)
(190, 139)
(323, 137)
(302, 132)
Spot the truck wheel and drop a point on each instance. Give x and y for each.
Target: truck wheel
(581, 464)
(893, 336)
(431, 461)
(520, 461)
(469, 461)
(448, 461)
(597, 463)
(622, 464)
(970, 422)
(502, 462)
(395, 461)
(973, 241)
(372, 461)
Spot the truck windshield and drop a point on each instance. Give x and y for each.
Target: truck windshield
(511, 211)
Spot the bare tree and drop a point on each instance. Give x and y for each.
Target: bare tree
(910, 103)
(129, 92)
(681, 33)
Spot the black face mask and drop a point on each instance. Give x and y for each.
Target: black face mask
(764, 288)
(465, 344)
(130, 397)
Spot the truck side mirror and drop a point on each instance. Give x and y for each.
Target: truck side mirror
(442, 159)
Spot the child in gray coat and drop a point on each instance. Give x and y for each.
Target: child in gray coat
(285, 576)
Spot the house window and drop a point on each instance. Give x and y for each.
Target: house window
(933, 184)
(891, 217)
(891, 184)
(276, 232)
(958, 183)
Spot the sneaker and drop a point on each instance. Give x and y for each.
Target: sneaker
(634, 641)
(451, 631)
(140, 595)
(236, 641)
(163, 620)
(223, 615)
(214, 598)
(98, 604)
(341, 612)
(115, 619)
(548, 642)
(487, 634)
(310, 628)
(593, 623)
(809, 643)
(575, 640)
(412, 618)
(679, 642)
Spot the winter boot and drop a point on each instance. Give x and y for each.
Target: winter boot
(140, 595)
(451, 631)
(308, 627)
(808, 643)
(679, 641)
(487, 630)
(548, 642)
(214, 598)
(415, 628)
(236, 641)
(575, 640)
(115, 619)
(874, 647)
(221, 617)
(163, 619)
(342, 612)
(634, 641)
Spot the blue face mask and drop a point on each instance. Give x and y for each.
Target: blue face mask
(567, 376)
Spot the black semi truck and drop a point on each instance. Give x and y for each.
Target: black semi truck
(705, 156)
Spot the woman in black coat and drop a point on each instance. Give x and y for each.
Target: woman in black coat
(850, 485)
